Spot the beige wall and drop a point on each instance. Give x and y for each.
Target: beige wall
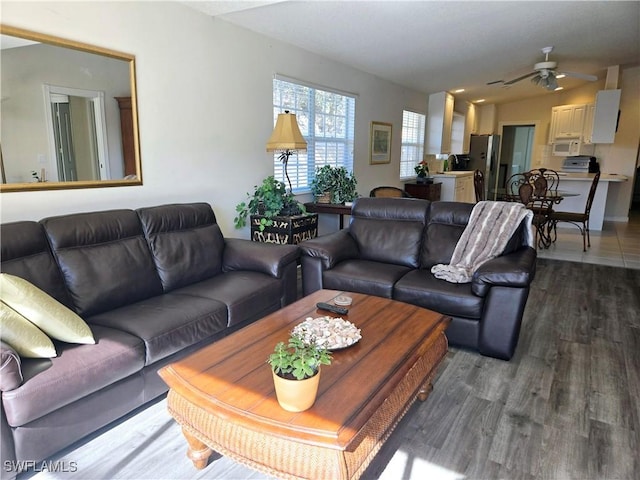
(204, 101)
(619, 157)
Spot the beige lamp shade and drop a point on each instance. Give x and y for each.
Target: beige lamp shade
(286, 134)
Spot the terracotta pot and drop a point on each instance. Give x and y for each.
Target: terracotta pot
(296, 395)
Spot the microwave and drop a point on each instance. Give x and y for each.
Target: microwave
(571, 147)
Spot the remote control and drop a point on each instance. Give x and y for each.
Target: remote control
(332, 308)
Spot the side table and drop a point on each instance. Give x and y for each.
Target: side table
(333, 208)
(426, 191)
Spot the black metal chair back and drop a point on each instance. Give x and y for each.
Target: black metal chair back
(386, 191)
(478, 185)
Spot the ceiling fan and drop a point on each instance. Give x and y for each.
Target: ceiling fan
(545, 74)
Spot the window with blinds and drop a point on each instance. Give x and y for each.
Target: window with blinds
(326, 120)
(413, 126)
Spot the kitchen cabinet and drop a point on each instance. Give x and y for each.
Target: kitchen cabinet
(456, 187)
(605, 116)
(439, 121)
(593, 123)
(587, 131)
(469, 127)
(567, 121)
(464, 191)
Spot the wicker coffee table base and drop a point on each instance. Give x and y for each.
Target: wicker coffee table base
(288, 458)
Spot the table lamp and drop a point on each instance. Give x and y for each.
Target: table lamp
(286, 138)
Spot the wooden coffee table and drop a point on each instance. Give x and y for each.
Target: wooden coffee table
(223, 396)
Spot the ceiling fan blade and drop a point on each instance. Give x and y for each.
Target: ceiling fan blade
(582, 76)
(511, 82)
(495, 81)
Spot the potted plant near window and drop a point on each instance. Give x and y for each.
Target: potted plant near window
(422, 172)
(295, 367)
(334, 185)
(275, 215)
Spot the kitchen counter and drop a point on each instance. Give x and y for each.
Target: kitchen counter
(579, 184)
(604, 177)
(454, 174)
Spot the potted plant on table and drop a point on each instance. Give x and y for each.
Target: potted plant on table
(422, 172)
(334, 185)
(296, 372)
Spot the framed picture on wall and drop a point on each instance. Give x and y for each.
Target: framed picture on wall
(380, 143)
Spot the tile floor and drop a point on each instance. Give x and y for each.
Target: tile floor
(616, 245)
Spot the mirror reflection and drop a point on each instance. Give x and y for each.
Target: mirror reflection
(68, 114)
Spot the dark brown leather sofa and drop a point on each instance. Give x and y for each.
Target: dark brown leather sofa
(389, 249)
(154, 285)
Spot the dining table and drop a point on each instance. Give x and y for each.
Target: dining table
(542, 206)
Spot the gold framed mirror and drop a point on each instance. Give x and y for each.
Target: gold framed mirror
(69, 114)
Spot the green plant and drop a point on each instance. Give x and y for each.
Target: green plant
(337, 181)
(422, 169)
(298, 360)
(269, 200)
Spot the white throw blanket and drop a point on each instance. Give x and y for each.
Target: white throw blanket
(490, 227)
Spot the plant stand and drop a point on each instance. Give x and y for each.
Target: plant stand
(286, 229)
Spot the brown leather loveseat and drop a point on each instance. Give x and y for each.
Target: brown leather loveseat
(389, 249)
(153, 285)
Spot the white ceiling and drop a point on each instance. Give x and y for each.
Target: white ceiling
(431, 46)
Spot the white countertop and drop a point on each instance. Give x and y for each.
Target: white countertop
(454, 174)
(604, 177)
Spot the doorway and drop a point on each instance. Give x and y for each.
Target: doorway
(516, 151)
(77, 133)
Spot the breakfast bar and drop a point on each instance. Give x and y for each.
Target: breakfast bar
(578, 184)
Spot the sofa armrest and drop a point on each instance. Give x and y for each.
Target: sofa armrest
(331, 249)
(10, 368)
(515, 269)
(269, 258)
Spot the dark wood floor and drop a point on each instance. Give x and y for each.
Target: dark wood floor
(566, 407)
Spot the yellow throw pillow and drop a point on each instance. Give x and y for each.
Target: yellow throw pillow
(43, 311)
(23, 336)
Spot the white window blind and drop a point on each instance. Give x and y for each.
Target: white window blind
(413, 125)
(326, 120)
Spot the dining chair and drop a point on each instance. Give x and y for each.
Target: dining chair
(386, 191)
(580, 220)
(530, 189)
(550, 176)
(478, 185)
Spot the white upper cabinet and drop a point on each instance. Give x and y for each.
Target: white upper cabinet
(591, 123)
(469, 127)
(567, 121)
(605, 116)
(588, 124)
(439, 121)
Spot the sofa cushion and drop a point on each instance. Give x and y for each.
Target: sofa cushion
(44, 311)
(389, 230)
(78, 371)
(364, 276)
(247, 295)
(185, 241)
(26, 254)
(23, 336)
(167, 323)
(446, 222)
(420, 287)
(104, 258)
